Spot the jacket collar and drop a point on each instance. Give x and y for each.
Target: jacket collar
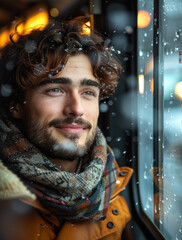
(124, 175)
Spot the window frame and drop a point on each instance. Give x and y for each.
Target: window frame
(149, 228)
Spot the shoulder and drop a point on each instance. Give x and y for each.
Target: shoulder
(20, 221)
(13, 215)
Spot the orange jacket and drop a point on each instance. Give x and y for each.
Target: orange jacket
(28, 220)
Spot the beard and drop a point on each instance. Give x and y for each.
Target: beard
(41, 135)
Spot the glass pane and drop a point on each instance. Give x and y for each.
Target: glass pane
(162, 201)
(171, 200)
(145, 104)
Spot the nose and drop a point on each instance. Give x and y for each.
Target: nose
(73, 106)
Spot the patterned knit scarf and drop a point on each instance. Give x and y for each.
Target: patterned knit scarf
(76, 197)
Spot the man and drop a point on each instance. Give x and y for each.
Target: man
(59, 179)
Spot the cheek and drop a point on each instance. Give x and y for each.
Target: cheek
(43, 110)
(92, 113)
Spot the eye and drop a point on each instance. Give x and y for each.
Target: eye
(54, 91)
(89, 93)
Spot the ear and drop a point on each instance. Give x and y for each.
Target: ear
(16, 110)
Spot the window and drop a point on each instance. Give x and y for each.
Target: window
(160, 113)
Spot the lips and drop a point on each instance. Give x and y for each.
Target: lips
(71, 128)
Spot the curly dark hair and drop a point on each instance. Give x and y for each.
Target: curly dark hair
(43, 53)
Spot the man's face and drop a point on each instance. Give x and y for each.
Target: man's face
(60, 115)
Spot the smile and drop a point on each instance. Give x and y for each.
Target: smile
(71, 128)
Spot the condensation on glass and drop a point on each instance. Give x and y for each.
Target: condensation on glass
(162, 202)
(145, 104)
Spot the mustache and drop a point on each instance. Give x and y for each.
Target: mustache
(69, 120)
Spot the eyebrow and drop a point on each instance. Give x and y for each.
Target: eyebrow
(68, 81)
(90, 82)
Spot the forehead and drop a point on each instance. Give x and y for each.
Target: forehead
(77, 67)
(77, 61)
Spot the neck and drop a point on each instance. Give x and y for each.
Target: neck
(68, 166)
